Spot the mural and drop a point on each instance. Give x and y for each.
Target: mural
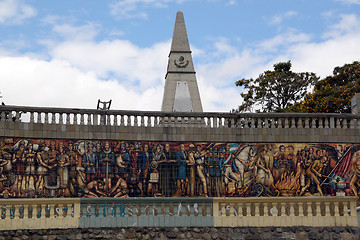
(64, 168)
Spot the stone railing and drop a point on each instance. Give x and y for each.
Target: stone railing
(149, 212)
(68, 116)
(39, 213)
(286, 211)
(177, 212)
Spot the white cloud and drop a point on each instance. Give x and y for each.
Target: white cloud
(348, 23)
(15, 11)
(133, 8)
(279, 18)
(350, 2)
(77, 33)
(56, 83)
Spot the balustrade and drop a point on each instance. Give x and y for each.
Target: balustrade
(285, 211)
(38, 213)
(161, 119)
(176, 212)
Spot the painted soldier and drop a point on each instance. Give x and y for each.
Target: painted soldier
(158, 157)
(73, 160)
(30, 169)
(199, 157)
(44, 165)
(63, 164)
(144, 160)
(181, 158)
(191, 170)
(107, 163)
(19, 161)
(89, 161)
(124, 162)
(167, 171)
(227, 167)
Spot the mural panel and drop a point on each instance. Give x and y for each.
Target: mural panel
(82, 168)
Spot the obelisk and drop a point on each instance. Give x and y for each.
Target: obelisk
(181, 93)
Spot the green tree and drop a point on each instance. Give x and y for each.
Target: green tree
(274, 91)
(333, 94)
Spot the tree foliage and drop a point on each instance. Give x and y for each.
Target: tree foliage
(333, 94)
(274, 91)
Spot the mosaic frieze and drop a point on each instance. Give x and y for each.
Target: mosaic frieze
(82, 168)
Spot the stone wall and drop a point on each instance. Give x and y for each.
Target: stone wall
(328, 233)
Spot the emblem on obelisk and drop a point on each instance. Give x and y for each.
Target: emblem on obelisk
(181, 63)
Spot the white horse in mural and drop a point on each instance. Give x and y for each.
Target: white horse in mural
(245, 161)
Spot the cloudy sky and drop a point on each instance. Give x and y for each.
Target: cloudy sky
(72, 53)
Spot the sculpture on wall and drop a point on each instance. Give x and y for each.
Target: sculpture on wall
(63, 168)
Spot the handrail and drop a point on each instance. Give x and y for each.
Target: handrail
(76, 116)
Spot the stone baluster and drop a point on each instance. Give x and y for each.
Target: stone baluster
(246, 122)
(43, 211)
(332, 122)
(115, 120)
(327, 209)
(266, 123)
(52, 210)
(326, 122)
(338, 123)
(313, 123)
(89, 116)
(16, 211)
(247, 209)
(252, 122)
(320, 122)
(231, 209)
(223, 209)
(142, 121)
(122, 122)
(46, 120)
(75, 120)
(317, 209)
(282, 209)
(273, 123)
(266, 209)
(31, 116)
(309, 209)
(61, 118)
(128, 122)
(82, 119)
(259, 123)
(257, 209)
(135, 121)
(67, 115)
(292, 209)
(301, 209)
(336, 209)
(149, 121)
(353, 211)
(53, 119)
(353, 123)
(307, 122)
(38, 120)
(240, 210)
(293, 122)
(108, 119)
(286, 122)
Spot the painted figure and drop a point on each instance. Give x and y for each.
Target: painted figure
(19, 161)
(63, 164)
(145, 158)
(181, 157)
(89, 162)
(107, 163)
(158, 157)
(355, 183)
(199, 157)
(191, 171)
(227, 167)
(167, 170)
